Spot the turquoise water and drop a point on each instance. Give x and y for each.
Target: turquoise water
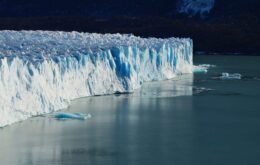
(191, 120)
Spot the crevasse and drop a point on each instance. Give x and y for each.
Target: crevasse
(42, 71)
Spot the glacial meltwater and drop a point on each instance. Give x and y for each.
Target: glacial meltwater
(205, 118)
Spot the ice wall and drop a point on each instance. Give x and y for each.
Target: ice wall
(42, 71)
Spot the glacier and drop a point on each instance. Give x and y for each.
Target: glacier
(43, 71)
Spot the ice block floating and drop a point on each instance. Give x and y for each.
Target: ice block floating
(42, 71)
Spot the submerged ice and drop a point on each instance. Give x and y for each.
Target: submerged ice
(77, 116)
(42, 71)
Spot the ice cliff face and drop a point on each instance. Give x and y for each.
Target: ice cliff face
(42, 71)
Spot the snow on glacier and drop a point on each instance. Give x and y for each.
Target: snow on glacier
(42, 71)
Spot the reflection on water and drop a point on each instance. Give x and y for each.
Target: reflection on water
(210, 122)
(179, 86)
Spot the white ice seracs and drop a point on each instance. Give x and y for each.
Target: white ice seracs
(42, 71)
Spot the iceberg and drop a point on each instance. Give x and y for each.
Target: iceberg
(228, 76)
(42, 71)
(202, 68)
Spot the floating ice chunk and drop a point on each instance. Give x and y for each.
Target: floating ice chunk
(202, 68)
(197, 69)
(198, 90)
(207, 65)
(65, 116)
(227, 76)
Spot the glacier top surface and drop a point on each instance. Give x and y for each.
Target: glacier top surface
(46, 44)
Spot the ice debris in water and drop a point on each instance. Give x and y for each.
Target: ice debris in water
(228, 76)
(198, 90)
(202, 68)
(65, 116)
(42, 71)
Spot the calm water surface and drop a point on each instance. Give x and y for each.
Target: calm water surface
(193, 120)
